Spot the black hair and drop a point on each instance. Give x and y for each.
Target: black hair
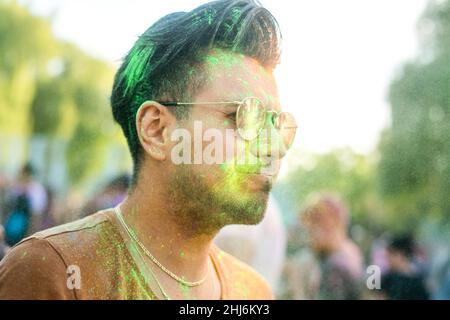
(403, 244)
(28, 169)
(121, 182)
(166, 60)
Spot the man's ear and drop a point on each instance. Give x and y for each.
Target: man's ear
(152, 123)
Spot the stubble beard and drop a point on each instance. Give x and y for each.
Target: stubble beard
(200, 209)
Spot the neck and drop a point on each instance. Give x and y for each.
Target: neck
(171, 241)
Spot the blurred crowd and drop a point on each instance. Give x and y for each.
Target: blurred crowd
(28, 206)
(325, 263)
(316, 258)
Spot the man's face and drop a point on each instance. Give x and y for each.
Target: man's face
(396, 259)
(322, 229)
(234, 190)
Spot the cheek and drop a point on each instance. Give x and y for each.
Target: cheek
(214, 149)
(211, 148)
(233, 146)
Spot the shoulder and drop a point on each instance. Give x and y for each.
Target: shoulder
(241, 280)
(81, 236)
(84, 225)
(33, 270)
(37, 267)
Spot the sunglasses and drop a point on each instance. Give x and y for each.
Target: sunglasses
(252, 116)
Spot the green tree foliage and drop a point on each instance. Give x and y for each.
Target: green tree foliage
(26, 43)
(414, 170)
(51, 88)
(73, 105)
(342, 172)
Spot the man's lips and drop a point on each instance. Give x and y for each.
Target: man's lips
(258, 170)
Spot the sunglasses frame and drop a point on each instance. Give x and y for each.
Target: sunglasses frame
(239, 104)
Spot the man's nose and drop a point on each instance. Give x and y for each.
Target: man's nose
(269, 144)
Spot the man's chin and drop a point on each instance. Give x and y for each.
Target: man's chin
(250, 212)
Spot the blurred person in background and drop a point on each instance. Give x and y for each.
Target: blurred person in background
(110, 196)
(4, 187)
(404, 279)
(27, 205)
(35, 191)
(19, 220)
(263, 246)
(340, 261)
(301, 273)
(379, 254)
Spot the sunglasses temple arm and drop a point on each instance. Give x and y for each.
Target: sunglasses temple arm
(176, 104)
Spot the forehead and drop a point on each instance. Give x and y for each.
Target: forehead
(232, 76)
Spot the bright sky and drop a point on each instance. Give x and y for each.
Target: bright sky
(338, 56)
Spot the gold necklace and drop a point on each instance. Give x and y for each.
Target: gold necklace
(183, 282)
(123, 224)
(165, 295)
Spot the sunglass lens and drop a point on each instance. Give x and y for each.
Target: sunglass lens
(287, 126)
(250, 118)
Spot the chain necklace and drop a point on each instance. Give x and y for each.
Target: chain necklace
(165, 295)
(154, 260)
(123, 224)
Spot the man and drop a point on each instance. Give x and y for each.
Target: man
(403, 280)
(340, 260)
(185, 77)
(29, 202)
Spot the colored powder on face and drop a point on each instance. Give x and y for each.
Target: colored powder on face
(261, 69)
(212, 60)
(244, 82)
(270, 98)
(225, 60)
(249, 94)
(232, 182)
